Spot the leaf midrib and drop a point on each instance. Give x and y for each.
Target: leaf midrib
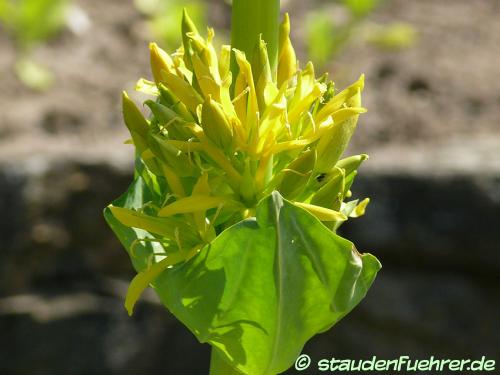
(279, 308)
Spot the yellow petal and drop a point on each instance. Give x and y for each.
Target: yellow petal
(161, 226)
(142, 280)
(201, 188)
(333, 143)
(208, 85)
(245, 75)
(360, 208)
(147, 87)
(188, 27)
(287, 60)
(295, 176)
(224, 61)
(338, 100)
(182, 89)
(191, 204)
(322, 213)
(206, 52)
(305, 103)
(173, 180)
(160, 60)
(264, 84)
(216, 124)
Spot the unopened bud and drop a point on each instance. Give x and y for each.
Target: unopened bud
(215, 124)
(183, 90)
(265, 87)
(160, 60)
(352, 163)
(187, 26)
(170, 100)
(333, 144)
(287, 60)
(296, 175)
(168, 119)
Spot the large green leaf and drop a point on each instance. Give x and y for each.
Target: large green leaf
(262, 288)
(267, 285)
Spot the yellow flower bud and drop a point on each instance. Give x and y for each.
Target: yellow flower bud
(287, 60)
(295, 176)
(352, 163)
(224, 61)
(160, 60)
(331, 192)
(182, 89)
(264, 84)
(216, 125)
(207, 83)
(187, 27)
(171, 156)
(169, 99)
(332, 145)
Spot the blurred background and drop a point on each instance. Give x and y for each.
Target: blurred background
(432, 131)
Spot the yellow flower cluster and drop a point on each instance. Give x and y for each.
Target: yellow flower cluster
(224, 132)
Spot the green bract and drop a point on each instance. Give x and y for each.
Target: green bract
(239, 190)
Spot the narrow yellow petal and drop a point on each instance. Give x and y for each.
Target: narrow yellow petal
(360, 208)
(161, 226)
(187, 27)
(216, 125)
(191, 204)
(305, 103)
(160, 60)
(333, 143)
(225, 61)
(338, 100)
(147, 87)
(142, 280)
(201, 188)
(208, 85)
(173, 181)
(246, 75)
(289, 145)
(182, 89)
(206, 52)
(322, 213)
(273, 122)
(287, 60)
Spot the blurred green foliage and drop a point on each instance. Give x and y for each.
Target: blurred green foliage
(327, 35)
(32, 21)
(361, 8)
(324, 38)
(163, 17)
(394, 36)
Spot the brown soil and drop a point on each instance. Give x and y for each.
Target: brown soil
(437, 101)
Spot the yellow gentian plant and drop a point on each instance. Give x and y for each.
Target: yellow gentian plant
(240, 186)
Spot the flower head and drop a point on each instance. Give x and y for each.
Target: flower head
(222, 137)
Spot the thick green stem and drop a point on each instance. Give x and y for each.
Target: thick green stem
(252, 18)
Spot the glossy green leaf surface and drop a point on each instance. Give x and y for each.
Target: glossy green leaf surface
(263, 287)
